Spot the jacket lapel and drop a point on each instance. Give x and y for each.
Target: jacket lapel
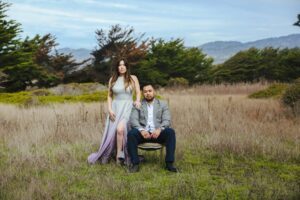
(145, 109)
(155, 109)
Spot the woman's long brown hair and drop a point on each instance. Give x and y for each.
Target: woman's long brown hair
(127, 76)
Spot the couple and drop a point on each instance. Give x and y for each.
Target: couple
(148, 121)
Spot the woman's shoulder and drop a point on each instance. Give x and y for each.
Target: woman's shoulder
(133, 77)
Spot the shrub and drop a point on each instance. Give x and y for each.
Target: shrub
(291, 97)
(178, 81)
(77, 88)
(41, 92)
(274, 90)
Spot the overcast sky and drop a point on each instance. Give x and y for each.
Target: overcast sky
(74, 22)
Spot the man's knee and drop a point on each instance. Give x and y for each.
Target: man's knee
(170, 131)
(132, 133)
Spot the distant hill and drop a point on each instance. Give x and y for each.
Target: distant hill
(219, 50)
(79, 54)
(222, 50)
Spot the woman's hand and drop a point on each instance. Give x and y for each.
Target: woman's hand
(137, 104)
(112, 115)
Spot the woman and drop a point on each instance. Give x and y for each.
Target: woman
(121, 86)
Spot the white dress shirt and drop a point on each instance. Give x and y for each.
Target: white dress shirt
(150, 123)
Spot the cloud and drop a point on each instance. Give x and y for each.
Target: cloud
(112, 5)
(195, 21)
(27, 10)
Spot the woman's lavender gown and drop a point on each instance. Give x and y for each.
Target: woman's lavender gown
(121, 106)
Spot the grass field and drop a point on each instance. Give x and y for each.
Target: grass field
(228, 147)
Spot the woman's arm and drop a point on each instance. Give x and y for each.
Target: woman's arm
(109, 101)
(137, 88)
(137, 102)
(109, 96)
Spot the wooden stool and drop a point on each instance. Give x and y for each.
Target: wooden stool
(150, 146)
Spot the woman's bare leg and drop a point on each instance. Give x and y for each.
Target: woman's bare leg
(120, 138)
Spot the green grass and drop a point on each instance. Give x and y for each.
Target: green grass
(15, 98)
(28, 98)
(273, 91)
(43, 96)
(94, 97)
(62, 173)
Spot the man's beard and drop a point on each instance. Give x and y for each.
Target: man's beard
(149, 100)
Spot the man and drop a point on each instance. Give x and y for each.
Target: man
(151, 123)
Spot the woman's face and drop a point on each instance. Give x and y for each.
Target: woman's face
(122, 67)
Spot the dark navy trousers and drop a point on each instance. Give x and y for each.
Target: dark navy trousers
(167, 137)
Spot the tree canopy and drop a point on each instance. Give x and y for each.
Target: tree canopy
(29, 62)
(36, 62)
(252, 65)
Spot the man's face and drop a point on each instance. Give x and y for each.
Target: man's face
(148, 92)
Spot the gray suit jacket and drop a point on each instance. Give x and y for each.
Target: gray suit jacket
(161, 115)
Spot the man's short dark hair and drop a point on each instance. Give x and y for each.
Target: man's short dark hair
(148, 84)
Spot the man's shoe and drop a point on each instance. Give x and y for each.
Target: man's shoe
(171, 168)
(134, 168)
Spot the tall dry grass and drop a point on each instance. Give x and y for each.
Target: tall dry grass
(236, 124)
(23, 128)
(220, 89)
(44, 149)
(223, 118)
(226, 123)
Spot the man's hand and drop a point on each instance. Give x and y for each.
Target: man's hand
(146, 134)
(156, 133)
